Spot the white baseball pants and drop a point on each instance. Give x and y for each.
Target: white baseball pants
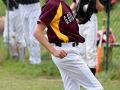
(88, 49)
(30, 14)
(74, 71)
(14, 25)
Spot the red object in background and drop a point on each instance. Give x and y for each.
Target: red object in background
(103, 7)
(2, 18)
(1, 30)
(113, 1)
(111, 38)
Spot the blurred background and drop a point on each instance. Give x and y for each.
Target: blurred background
(21, 65)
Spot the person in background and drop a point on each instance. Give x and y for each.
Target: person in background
(13, 24)
(88, 49)
(63, 34)
(29, 12)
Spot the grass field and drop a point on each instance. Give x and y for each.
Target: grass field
(17, 75)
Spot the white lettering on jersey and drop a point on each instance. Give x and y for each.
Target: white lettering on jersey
(69, 18)
(66, 20)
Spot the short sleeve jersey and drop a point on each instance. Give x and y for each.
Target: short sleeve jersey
(61, 24)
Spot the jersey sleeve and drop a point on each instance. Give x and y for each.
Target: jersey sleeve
(47, 15)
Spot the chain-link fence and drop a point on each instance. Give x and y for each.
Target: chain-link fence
(18, 20)
(114, 48)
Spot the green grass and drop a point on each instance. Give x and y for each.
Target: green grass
(3, 49)
(13, 80)
(16, 75)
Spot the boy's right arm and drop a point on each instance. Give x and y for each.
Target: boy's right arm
(39, 35)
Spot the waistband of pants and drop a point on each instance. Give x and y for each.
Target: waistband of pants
(28, 2)
(72, 44)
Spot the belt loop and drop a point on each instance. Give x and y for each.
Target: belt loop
(73, 44)
(58, 44)
(77, 43)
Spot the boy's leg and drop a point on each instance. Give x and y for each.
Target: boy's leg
(75, 68)
(69, 83)
(7, 35)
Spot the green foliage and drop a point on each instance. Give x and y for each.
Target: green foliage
(2, 8)
(46, 68)
(45, 55)
(100, 16)
(3, 49)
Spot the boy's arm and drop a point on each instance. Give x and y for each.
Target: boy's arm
(39, 35)
(99, 6)
(73, 6)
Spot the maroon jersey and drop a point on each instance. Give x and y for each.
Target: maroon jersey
(61, 24)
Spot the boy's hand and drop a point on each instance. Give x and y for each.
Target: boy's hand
(59, 53)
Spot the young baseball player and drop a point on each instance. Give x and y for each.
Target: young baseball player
(30, 11)
(63, 38)
(13, 23)
(89, 32)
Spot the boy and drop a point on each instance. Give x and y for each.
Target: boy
(63, 34)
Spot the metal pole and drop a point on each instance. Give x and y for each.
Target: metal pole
(107, 32)
(8, 27)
